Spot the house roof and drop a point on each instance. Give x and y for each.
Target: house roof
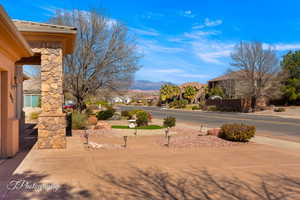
(34, 31)
(28, 26)
(197, 85)
(228, 76)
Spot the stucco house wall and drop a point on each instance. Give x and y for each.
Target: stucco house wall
(13, 47)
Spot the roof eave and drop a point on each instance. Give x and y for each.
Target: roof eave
(19, 45)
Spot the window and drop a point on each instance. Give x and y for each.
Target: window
(32, 101)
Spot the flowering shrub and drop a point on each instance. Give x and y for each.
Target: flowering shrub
(169, 122)
(142, 118)
(237, 132)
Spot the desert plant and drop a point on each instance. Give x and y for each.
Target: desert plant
(79, 120)
(142, 118)
(279, 109)
(237, 132)
(212, 108)
(132, 113)
(34, 115)
(126, 113)
(195, 108)
(201, 104)
(105, 114)
(179, 103)
(169, 122)
(88, 111)
(92, 120)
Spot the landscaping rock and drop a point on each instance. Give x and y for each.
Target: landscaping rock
(92, 120)
(214, 132)
(102, 125)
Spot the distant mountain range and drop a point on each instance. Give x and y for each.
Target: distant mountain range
(147, 85)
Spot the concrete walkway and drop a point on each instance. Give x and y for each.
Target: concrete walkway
(277, 143)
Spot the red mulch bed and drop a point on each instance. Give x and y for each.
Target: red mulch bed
(184, 141)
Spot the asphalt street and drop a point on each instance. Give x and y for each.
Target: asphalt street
(266, 124)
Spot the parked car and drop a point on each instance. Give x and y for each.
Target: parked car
(215, 97)
(69, 106)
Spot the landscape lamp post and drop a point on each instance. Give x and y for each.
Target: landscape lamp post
(167, 132)
(125, 141)
(169, 138)
(86, 136)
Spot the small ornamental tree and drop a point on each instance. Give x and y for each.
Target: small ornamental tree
(169, 92)
(169, 122)
(142, 118)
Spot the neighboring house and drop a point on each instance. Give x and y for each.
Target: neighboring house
(32, 93)
(121, 99)
(231, 83)
(199, 87)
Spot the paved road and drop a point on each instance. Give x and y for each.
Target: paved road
(266, 124)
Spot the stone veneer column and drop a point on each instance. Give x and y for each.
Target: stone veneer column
(52, 121)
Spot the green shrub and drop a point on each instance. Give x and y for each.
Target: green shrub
(169, 122)
(195, 108)
(133, 113)
(126, 113)
(279, 109)
(179, 104)
(88, 111)
(212, 108)
(34, 115)
(142, 118)
(79, 120)
(201, 105)
(237, 132)
(105, 114)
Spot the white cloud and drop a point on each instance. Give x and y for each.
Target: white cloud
(169, 71)
(213, 57)
(285, 47)
(200, 34)
(187, 75)
(187, 13)
(208, 23)
(154, 46)
(150, 32)
(152, 15)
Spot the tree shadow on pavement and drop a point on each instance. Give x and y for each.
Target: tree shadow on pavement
(197, 185)
(30, 185)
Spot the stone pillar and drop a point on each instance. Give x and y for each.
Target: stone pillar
(52, 121)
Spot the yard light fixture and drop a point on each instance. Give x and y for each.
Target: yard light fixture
(169, 138)
(135, 131)
(125, 140)
(86, 136)
(167, 132)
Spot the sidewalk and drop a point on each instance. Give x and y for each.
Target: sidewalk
(277, 143)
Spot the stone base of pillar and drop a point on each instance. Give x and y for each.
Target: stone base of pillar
(52, 131)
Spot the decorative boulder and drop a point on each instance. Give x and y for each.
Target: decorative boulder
(92, 120)
(103, 125)
(214, 131)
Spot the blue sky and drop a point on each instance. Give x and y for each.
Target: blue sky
(187, 40)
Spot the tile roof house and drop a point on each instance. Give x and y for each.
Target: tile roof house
(232, 84)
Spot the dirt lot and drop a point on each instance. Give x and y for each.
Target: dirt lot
(146, 169)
